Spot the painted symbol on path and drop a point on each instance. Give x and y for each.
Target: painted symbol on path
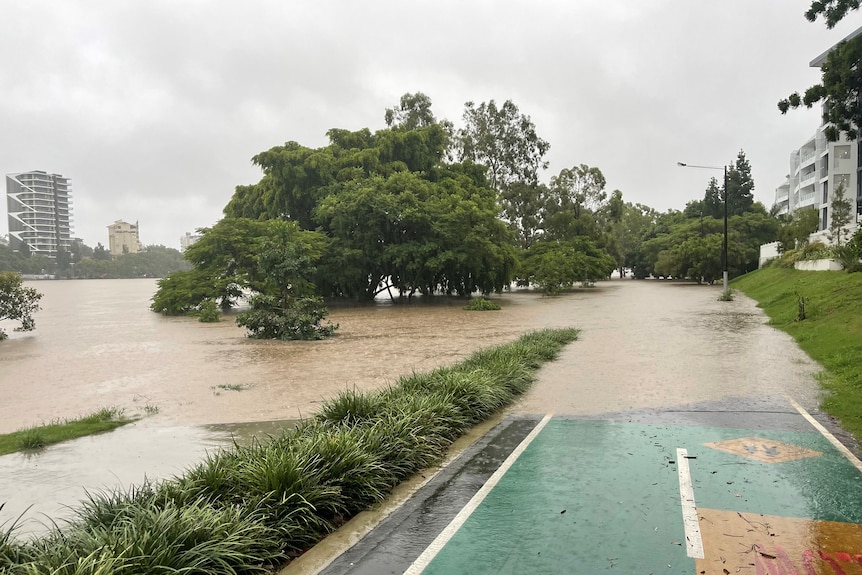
(736, 542)
(765, 450)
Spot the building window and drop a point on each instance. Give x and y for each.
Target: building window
(825, 192)
(842, 153)
(823, 219)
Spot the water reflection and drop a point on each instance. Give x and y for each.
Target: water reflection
(43, 486)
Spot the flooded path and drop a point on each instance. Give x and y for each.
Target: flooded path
(643, 344)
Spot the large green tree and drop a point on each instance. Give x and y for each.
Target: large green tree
(396, 214)
(555, 265)
(576, 195)
(17, 302)
(692, 247)
(286, 306)
(626, 236)
(226, 264)
(794, 229)
(504, 141)
(415, 234)
(841, 79)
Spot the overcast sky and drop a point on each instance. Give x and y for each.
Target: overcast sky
(154, 109)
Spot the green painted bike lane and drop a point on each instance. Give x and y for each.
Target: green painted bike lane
(597, 496)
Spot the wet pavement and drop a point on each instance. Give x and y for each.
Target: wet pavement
(679, 434)
(590, 495)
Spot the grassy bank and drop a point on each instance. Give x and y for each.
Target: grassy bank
(830, 332)
(40, 436)
(251, 509)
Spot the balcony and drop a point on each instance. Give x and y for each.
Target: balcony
(806, 199)
(807, 179)
(806, 156)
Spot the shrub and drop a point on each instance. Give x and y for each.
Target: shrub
(268, 318)
(208, 312)
(481, 304)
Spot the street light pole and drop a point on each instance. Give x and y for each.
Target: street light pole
(724, 272)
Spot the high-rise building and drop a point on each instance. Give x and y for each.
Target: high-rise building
(39, 208)
(123, 238)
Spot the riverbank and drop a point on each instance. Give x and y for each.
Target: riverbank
(39, 437)
(249, 508)
(822, 311)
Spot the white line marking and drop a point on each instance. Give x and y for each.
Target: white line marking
(436, 546)
(825, 433)
(693, 542)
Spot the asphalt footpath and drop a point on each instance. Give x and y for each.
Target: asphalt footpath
(737, 486)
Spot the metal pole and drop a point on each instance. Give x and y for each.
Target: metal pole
(724, 249)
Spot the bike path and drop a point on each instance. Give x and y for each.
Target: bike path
(589, 496)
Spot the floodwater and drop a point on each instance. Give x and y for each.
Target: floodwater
(644, 344)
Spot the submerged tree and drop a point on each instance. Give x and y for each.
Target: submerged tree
(17, 303)
(273, 261)
(287, 307)
(396, 215)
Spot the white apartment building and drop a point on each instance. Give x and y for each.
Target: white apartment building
(818, 167)
(39, 208)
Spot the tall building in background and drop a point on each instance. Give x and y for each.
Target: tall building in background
(39, 207)
(187, 240)
(123, 238)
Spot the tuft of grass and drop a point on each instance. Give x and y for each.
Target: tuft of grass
(726, 295)
(827, 326)
(246, 509)
(481, 304)
(350, 407)
(37, 437)
(232, 386)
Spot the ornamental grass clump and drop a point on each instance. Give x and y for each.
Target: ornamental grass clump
(247, 509)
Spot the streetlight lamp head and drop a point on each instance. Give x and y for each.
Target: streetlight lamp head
(683, 164)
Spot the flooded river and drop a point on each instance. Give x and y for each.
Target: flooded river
(96, 344)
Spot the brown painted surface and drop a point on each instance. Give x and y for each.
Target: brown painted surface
(763, 450)
(763, 544)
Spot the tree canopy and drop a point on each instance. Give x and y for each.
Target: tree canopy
(841, 80)
(833, 11)
(504, 141)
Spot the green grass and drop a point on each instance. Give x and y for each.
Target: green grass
(251, 508)
(37, 437)
(481, 304)
(830, 333)
(232, 386)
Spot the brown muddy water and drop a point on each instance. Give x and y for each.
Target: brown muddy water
(96, 344)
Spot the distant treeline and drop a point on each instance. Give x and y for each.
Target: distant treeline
(84, 262)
